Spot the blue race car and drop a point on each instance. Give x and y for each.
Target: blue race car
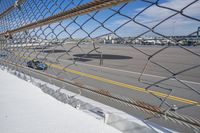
(3, 54)
(38, 65)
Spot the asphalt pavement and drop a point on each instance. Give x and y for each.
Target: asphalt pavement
(120, 70)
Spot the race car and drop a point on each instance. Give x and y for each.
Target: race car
(3, 54)
(38, 65)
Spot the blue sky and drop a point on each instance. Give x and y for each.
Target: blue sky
(4, 4)
(177, 25)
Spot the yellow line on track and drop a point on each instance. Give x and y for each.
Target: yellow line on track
(117, 83)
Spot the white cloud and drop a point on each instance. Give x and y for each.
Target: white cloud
(157, 13)
(178, 24)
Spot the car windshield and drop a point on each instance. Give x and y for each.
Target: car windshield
(37, 62)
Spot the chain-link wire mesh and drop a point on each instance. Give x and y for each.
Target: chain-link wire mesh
(6, 4)
(144, 52)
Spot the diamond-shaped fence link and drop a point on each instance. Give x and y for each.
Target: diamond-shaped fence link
(143, 52)
(5, 5)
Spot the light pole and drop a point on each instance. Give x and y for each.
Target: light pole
(198, 30)
(173, 27)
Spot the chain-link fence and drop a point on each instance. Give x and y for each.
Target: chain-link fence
(144, 52)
